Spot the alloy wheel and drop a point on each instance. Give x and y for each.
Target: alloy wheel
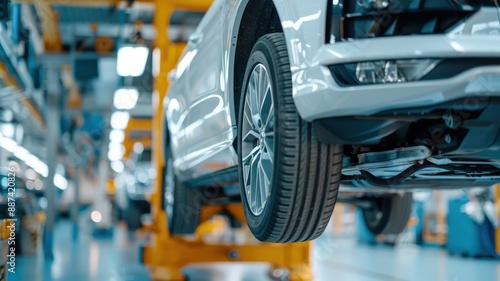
(258, 139)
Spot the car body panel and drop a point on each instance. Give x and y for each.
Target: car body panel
(304, 25)
(197, 103)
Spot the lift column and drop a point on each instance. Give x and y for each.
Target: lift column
(166, 255)
(53, 96)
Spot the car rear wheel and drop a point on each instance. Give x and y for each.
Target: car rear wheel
(289, 180)
(182, 203)
(389, 214)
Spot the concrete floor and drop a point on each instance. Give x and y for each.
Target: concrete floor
(334, 258)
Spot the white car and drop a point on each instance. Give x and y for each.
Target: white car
(290, 99)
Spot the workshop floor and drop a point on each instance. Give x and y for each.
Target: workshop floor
(334, 258)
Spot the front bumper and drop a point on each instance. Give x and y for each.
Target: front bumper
(317, 94)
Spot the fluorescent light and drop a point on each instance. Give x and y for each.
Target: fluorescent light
(37, 165)
(117, 136)
(42, 169)
(131, 60)
(31, 160)
(96, 216)
(117, 166)
(156, 58)
(7, 115)
(9, 144)
(8, 130)
(60, 182)
(116, 146)
(138, 147)
(115, 153)
(125, 98)
(119, 120)
(22, 153)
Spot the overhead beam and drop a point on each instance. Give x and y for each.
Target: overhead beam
(193, 5)
(81, 2)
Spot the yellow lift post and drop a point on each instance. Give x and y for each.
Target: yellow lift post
(167, 255)
(497, 203)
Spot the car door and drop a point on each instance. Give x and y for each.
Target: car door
(203, 127)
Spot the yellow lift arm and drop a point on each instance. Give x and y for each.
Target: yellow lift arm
(497, 203)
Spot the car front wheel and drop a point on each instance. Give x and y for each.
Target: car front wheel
(289, 179)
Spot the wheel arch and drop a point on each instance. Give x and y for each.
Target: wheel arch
(245, 34)
(302, 22)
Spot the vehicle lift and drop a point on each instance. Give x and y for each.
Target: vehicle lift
(497, 203)
(167, 255)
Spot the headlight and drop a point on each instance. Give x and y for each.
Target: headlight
(385, 71)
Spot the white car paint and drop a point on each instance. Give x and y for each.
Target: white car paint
(199, 105)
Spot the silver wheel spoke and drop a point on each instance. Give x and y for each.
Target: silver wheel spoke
(251, 136)
(266, 108)
(269, 122)
(249, 158)
(266, 177)
(254, 177)
(263, 85)
(248, 113)
(269, 148)
(254, 101)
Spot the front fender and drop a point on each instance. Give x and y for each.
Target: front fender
(304, 25)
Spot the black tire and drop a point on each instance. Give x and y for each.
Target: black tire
(390, 214)
(305, 173)
(183, 214)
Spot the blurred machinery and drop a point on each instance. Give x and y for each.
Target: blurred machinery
(472, 223)
(134, 186)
